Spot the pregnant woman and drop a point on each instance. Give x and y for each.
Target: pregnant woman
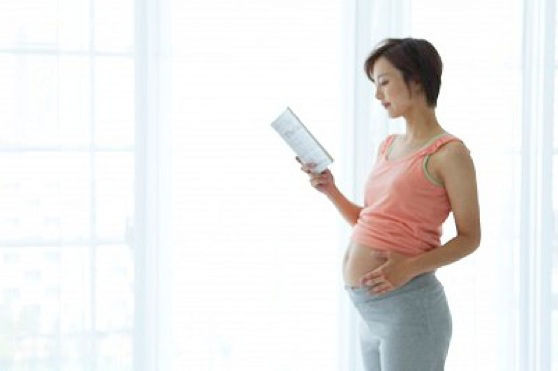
(417, 179)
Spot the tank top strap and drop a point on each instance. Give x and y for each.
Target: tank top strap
(387, 143)
(438, 142)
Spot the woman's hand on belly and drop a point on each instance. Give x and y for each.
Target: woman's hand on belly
(394, 273)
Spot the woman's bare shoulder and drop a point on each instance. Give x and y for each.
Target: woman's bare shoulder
(453, 153)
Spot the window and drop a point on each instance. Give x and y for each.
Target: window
(67, 184)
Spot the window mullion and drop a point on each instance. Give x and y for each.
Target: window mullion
(92, 364)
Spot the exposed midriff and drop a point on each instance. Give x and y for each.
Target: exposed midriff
(359, 259)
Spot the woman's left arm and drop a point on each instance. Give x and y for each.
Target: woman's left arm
(457, 173)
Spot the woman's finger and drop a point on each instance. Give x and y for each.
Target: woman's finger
(371, 279)
(379, 289)
(315, 182)
(307, 167)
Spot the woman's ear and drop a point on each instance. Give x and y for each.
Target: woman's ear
(416, 87)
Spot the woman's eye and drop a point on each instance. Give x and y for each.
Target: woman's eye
(384, 83)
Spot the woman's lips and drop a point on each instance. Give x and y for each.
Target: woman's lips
(386, 105)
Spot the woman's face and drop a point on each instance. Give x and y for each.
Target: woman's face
(391, 89)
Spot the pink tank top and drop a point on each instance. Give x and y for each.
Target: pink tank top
(404, 207)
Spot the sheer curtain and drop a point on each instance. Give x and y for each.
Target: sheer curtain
(365, 125)
(257, 263)
(497, 95)
(481, 102)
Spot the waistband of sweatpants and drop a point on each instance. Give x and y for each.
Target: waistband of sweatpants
(363, 293)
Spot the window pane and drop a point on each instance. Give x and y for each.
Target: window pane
(114, 306)
(28, 23)
(44, 196)
(114, 288)
(114, 194)
(114, 101)
(115, 352)
(44, 24)
(114, 27)
(44, 100)
(73, 27)
(32, 118)
(74, 107)
(44, 307)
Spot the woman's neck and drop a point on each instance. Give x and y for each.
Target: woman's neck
(421, 125)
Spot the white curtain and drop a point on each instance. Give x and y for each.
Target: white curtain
(256, 259)
(152, 228)
(480, 102)
(365, 124)
(497, 95)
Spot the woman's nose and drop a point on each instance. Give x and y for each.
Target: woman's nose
(378, 94)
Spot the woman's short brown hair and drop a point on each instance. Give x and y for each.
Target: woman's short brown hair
(417, 59)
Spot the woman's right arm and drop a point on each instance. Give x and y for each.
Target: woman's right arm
(325, 183)
(348, 210)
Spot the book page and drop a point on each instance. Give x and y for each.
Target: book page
(301, 141)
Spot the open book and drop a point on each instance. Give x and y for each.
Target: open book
(302, 142)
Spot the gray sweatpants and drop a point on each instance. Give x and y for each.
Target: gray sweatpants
(406, 329)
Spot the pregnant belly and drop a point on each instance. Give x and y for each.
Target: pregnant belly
(359, 259)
